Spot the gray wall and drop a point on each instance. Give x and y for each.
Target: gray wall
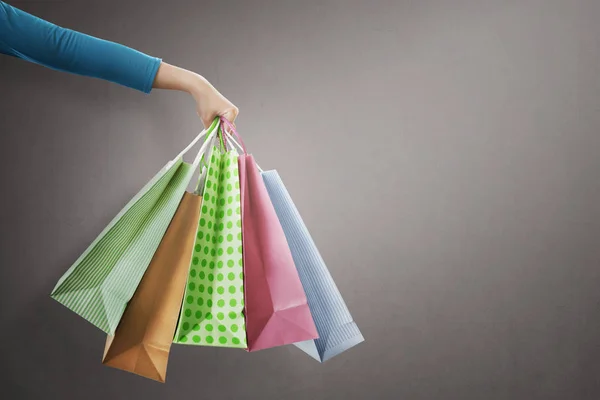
(443, 153)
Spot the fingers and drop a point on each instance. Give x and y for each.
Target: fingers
(228, 115)
(231, 114)
(208, 109)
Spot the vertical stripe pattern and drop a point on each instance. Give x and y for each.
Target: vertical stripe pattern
(337, 330)
(102, 281)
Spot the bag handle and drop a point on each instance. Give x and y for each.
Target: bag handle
(242, 147)
(210, 142)
(217, 134)
(231, 127)
(209, 138)
(206, 132)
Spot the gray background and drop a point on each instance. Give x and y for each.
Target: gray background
(443, 153)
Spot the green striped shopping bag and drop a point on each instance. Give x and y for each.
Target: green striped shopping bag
(101, 282)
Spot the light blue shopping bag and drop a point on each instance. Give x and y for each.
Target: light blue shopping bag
(337, 330)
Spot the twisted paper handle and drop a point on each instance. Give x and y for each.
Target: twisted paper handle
(232, 129)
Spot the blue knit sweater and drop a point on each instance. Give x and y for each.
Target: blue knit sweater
(33, 39)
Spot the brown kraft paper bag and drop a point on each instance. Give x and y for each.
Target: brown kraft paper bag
(143, 338)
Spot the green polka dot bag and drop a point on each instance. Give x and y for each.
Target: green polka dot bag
(213, 303)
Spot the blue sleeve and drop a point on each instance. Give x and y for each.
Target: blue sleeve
(33, 39)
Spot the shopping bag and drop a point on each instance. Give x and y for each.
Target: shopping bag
(143, 339)
(212, 309)
(277, 311)
(337, 330)
(104, 278)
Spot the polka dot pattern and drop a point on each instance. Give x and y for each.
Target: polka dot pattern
(212, 313)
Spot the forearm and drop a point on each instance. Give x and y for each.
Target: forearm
(31, 38)
(171, 77)
(210, 103)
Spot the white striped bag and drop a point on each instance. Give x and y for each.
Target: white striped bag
(104, 278)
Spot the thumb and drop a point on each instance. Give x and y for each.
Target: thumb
(230, 114)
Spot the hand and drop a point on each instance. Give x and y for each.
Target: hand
(209, 102)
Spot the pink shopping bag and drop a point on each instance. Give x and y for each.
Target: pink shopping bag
(276, 308)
